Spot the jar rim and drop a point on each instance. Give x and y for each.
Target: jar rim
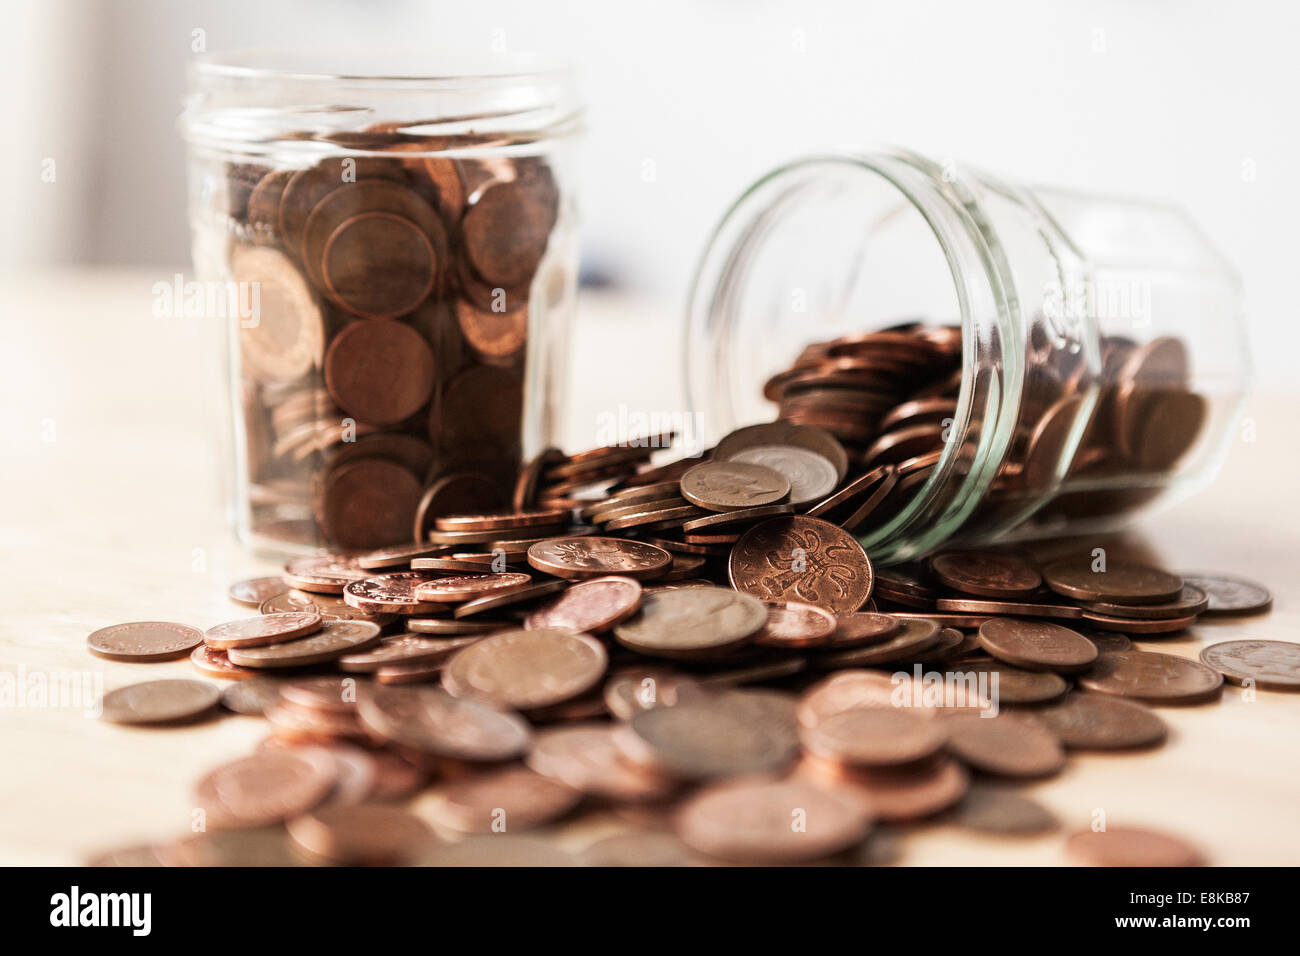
(363, 67)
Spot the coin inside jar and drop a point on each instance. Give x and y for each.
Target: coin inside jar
(381, 373)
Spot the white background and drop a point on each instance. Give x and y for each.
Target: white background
(1190, 102)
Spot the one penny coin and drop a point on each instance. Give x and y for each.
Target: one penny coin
(1036, 645)
(1012, 685)
(252, 697)
(215, 663)
(429, 720)
(793, 624)
(322, 574)
(802, 559)
(986, 573)
(1131, 846)
(874, 737)
(1098, 722)
(266, 629)
(862, 628)
(1007, 745)
(1274, 665)
(334, 640)
(515, 798)
(1154, 678)
(144, 641)
(357, 834)
(733, 486)
(160, 702)
(1230, 595)
(1121, 582)
(381, 373)
(692, 622)
(596, 556)
(527, 670)
(464, 587)
(591, 607)
(266, 787)
(254, 591)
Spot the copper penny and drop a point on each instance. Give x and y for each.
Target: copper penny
(329, 607)
(215, 663)
(592, 606)
(1190, 602)
(587, 758)
(506, 231)
(914, 637)
(396, 593)
(306, 188)
(629, 692)
(1135, 625)
(849, 493)
(1013, 685)
(1121, 582)
(464, 587)
(1036, 645)
(784, 434)
(802, 559)
(1274, 665)
(254, 591)
(874, 737)
(811, 476)
(527, 669)
(510, 800)
(381, 373)
(398, 556)
(160, 702)
(997, 809)
(986, 573)
(266, 629)
(862, 628)
(494, 335)
(379, 265)
(1098, 722)
(1007, 745)
(1105, 641)
(481, 408)
(525, 490)
(449, 627)
(596, 556)
(322, 574)
(251, 697)
(898, 794)
(368, 504)
(723, 735)
(733, 486)
(502, 520)
(517, 595)
(266, 787)
(287, 340)
(692, 622)
(430, 720)
(793, 624)
(403, 649)
(751, 822)
(988, 606)
(371, 834)
(1231, 596)
(144, 641)
(334, 640)
(1131, 846)
(849, 690)
(1153, 678)
(457, 493)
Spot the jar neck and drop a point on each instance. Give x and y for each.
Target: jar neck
(993, 325)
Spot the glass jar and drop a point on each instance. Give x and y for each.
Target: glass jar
(399, 238)
(1078, 358)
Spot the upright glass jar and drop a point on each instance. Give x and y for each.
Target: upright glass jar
(399, 237)
(1089, 353)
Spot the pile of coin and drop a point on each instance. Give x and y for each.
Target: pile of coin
(703, 649)
(891, 397)
(387, 352)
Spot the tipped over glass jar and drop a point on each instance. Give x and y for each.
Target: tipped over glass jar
(1009, 362)
(401, 246)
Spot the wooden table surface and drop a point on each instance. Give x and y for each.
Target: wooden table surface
(111, 491)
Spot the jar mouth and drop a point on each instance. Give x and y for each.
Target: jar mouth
(421, 103)
(982, 303)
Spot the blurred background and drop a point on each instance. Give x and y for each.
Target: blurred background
(1189, 102)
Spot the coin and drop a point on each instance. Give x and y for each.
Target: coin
(1121, 582)
(735, 521)
(597, 556)
(505, 520)
(266, 787)
(1130, 846)
(802, 559)
(396, 593)
(914, 636)
(288, 338)
(251, 697)
(144, 641)
(629, 692)
(329, 607)
(793, 624)
(1036, 645)
(380, 373)
(1007, 745)
(254, 591)
(725, 735)
(1154, 678)
(368, 504)
(510, 596)
(449, 627)
(430, 720)
(787, 821)
(1273, 665)
(987, 606)
(1012, 685)
(215, 663)
(457, 493)
(1231, 595)
(733, 486)
(873, 737)
(267, 629)
(526, 669)
(322, 574)
(510, 799)
(986, 573)
(862, 628)
(334, 640)
(499, 849)
(784, 435)
(898, 794)
(811, 476)
(370, 834)
(403, 649)
(997, 809)
(506, 231)
(399, 556)
(1105, 641)
(592, 606)
(159, 702)
(1137, 625)
(1098, 722)
(464, 587)
(587, 758)
(691, 622)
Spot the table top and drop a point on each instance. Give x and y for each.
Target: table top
(113, 511)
